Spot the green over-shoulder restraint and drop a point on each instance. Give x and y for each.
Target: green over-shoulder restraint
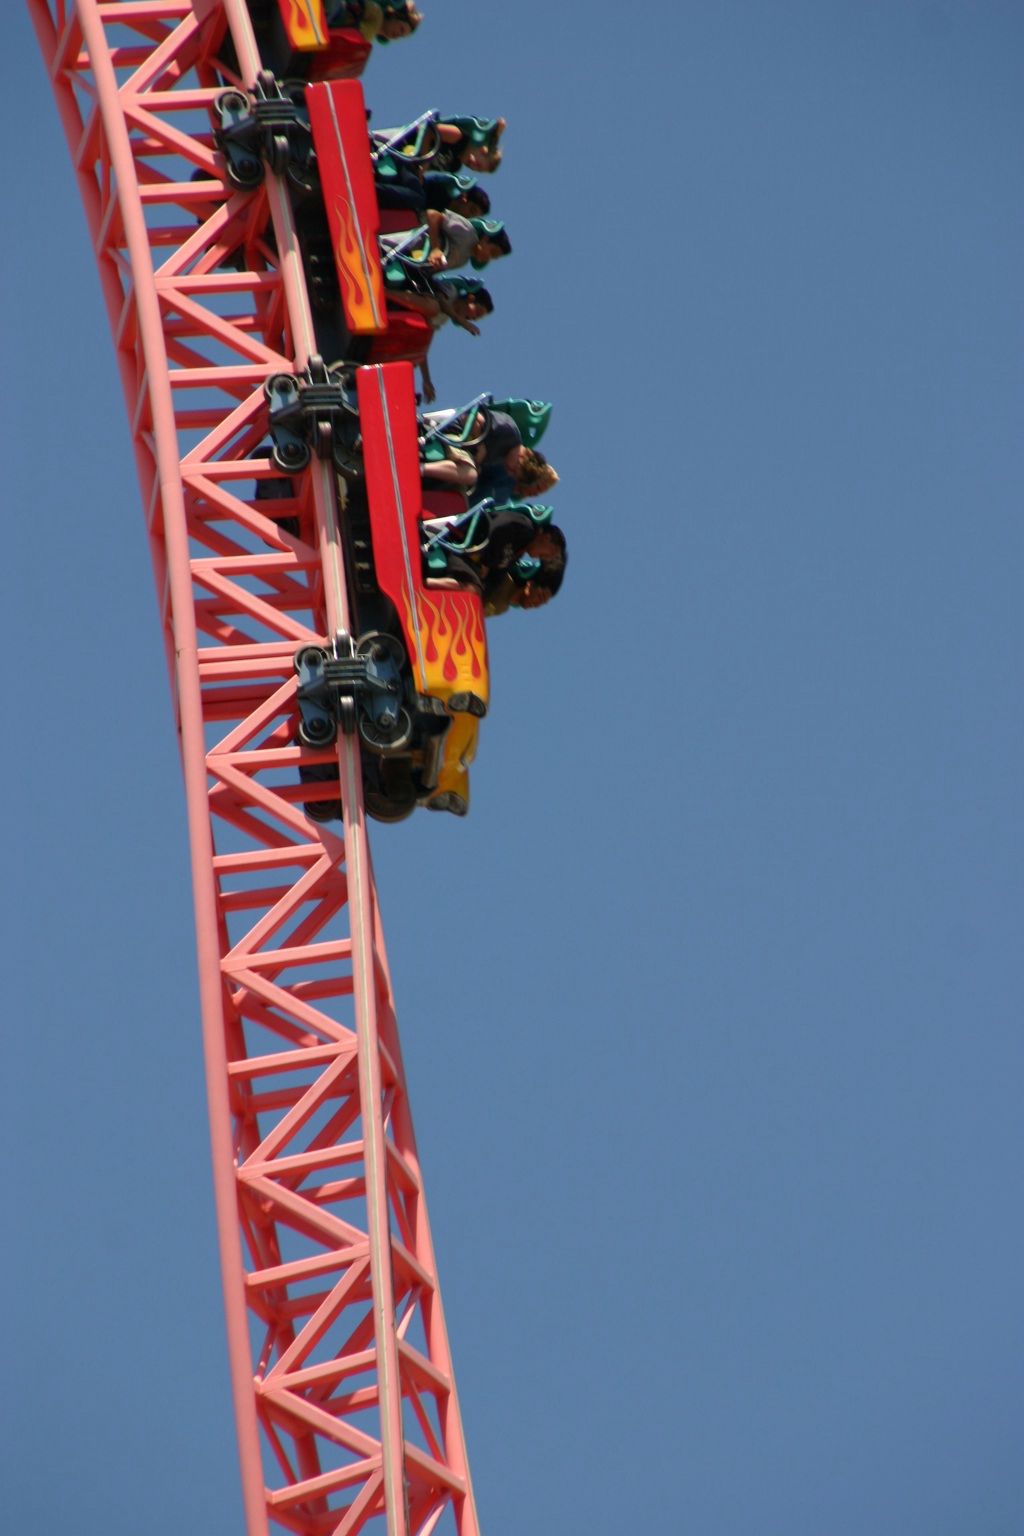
(456, 183)
(469, 533)
(538, 515)
(479, 130)
(530, 416)
(398, 265)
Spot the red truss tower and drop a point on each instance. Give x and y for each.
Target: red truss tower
(348, 1419)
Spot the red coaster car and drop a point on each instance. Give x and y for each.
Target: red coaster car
(421, 639)
(442, 624)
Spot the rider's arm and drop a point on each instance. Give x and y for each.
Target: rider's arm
(435, 229)
(421, 302)
(459, 471)
(429, 392)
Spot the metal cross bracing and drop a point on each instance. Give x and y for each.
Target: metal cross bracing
(348, 1419)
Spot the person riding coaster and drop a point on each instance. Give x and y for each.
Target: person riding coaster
(378, 21)
(501, 437)
(418, 305)
(441, 143)
(512, 553)
(407, 194)
(469, 142)
(442, 242)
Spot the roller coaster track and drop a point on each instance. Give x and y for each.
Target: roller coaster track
(347, 1414)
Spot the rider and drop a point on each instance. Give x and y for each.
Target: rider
(414, 317)
(377, 23)
(400, 186)
(508, 467)
(471, 142)
(506, 590)
(454, 240)
(512, 562)
(450, 193)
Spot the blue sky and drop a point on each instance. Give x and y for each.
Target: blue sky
(711, 1008)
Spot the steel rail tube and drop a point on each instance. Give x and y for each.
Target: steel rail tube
(357, 860)
(190, 718)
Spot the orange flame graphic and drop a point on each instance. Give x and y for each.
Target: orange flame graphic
(451, 633)
(305, 23)
(362, 288)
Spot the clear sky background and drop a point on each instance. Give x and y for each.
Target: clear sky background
(711, 1007)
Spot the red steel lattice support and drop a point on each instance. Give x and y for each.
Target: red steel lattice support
(348, 1419)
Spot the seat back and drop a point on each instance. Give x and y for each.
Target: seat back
(530, 416)
(407, 338)
(337, 117)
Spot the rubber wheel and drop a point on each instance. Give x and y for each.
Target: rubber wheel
(291, 459)
(316, 742)
(377, 643)
(387, 741)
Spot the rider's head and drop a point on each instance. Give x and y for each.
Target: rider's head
(547, 546)
(534, 475)
(399, 23)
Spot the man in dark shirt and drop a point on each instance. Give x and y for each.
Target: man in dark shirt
(451, 193)
(512, 562)
(521, 587)
(401, 186)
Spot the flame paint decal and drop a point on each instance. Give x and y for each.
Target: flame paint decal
(451, 631)
(305, 23)
(362, 287)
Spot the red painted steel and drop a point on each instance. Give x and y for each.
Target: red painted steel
(337, 116)
(407, 338)
(348, 1419)
(344, 58)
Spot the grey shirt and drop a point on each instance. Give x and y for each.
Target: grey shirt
(460, 239)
